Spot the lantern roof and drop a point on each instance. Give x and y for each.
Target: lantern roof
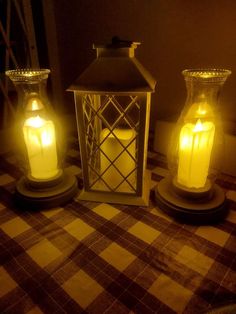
(115, 70)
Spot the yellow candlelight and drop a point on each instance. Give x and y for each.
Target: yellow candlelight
(195, 146)
(39, 136)
(112, 146)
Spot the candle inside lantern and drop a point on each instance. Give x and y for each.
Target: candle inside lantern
(195, 146)
(39, 136)
(112, 147)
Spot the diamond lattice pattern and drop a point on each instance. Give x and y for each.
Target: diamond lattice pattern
(112, 125)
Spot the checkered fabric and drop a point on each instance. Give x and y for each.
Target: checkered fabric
(89, 257)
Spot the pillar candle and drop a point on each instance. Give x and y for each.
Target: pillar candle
(125, 162)
(195, 146)
(40, 141)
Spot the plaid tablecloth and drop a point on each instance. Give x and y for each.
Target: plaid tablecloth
(89, 257)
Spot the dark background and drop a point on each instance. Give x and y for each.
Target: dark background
(175, 35)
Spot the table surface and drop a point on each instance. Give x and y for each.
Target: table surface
(89, 257)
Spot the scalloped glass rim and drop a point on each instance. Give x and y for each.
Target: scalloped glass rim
(207, 74)
(27, 74)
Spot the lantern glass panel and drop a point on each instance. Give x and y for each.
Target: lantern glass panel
(111, 125)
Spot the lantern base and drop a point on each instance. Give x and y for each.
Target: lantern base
(119, 198)
(195, 211)
(34, 197)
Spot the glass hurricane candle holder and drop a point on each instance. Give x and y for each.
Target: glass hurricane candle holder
(45, 183)
(112, 101)
(195, 152)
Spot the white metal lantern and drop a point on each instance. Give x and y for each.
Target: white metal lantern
(112, 101)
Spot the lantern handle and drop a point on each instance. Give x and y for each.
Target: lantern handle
(117, 42)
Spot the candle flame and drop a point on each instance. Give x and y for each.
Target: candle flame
(35, 105)
(198, 126)
(201, 111)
